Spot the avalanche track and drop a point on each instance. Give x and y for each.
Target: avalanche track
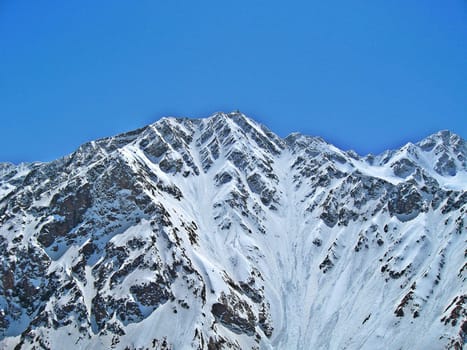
(216, 233)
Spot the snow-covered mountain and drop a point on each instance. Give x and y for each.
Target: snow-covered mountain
(217, 234)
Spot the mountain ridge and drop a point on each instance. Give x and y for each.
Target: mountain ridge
(297, 133)
(236, 238)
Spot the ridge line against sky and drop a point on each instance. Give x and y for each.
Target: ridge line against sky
(367, 76)
(281, 136)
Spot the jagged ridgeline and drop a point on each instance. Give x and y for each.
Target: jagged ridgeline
(217, 234)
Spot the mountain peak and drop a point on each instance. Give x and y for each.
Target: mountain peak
(221, 230)
(443, 137)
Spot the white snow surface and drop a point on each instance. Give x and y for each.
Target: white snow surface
(336, 251)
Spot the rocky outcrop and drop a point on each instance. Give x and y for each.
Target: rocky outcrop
(216, 233)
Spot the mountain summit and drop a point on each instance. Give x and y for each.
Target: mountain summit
(217, 234)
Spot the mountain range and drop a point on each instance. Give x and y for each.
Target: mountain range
(216, 233)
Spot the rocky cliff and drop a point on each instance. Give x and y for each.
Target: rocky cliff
(217, 234)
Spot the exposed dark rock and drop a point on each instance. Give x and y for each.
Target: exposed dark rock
(223, 178)
(403, 168)
(116, 210)
(70, 209)
(406, 202)
(226, 315)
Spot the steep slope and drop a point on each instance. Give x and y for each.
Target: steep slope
(216, 233)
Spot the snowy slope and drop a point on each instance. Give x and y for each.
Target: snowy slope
(216, 233)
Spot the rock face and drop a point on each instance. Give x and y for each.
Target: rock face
(216, 233)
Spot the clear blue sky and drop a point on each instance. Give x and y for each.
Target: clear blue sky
(365, 75)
